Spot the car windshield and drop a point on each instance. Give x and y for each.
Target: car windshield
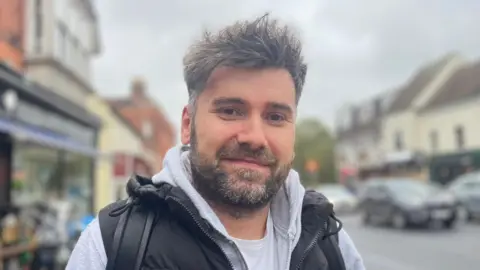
(467, 183)
(412, 188)
(334, 191)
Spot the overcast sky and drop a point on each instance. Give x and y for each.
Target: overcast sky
(355, 48)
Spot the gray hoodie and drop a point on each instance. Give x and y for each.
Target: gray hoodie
(89, 253)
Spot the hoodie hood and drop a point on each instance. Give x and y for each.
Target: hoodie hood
(286, 207)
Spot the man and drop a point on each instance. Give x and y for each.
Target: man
(229, 200)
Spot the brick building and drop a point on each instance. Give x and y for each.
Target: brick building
(147, 117)
(12, 32)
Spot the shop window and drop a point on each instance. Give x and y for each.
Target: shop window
(42, 173)
(77, 178)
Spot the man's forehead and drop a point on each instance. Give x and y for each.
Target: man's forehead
(222, 74)
(264, 85)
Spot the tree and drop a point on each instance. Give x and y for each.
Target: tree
(315, 145)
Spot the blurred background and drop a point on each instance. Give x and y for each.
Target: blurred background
(92, 91)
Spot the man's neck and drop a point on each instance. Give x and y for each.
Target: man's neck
(251, 226)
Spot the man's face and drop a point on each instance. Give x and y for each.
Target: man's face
(242, 136)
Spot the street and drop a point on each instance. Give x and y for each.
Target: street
(415, 249)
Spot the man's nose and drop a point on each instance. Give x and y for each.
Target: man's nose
(253, 133)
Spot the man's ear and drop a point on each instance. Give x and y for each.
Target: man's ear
(185, 128)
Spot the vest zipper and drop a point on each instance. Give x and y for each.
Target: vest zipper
(203, 230)
(312, 244)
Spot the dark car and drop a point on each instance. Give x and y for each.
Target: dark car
(404, 202)
(467, 190)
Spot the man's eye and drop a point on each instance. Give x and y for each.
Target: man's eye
(276, 117)
(229, 111)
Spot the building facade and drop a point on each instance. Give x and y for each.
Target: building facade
(123, 153)
(61, 39)
(449, 130)
(405, 153)
(359, 135)
(48, 146)
(147, 118)
(386, 136)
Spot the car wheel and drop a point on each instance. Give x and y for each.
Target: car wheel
(399, 221)
(470, 217)
(449, 224)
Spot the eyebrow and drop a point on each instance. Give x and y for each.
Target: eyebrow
(228, 101)
(281, 107)
(238, 101)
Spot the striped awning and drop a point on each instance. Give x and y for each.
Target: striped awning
(45, 137)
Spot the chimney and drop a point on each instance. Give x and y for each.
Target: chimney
(137, 89)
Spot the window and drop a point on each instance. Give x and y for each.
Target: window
(459, 137)
(399, 144)
(61, 40)
(38, 25)
(433, 140)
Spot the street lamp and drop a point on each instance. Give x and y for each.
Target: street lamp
(10, 101)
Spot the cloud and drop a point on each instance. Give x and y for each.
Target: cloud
(355, 48)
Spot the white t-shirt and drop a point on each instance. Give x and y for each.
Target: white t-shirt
(260, 254)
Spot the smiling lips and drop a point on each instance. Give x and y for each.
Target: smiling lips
(249, 163)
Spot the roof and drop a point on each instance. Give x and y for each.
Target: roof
(414, 87)
(373, 124)
(353, 132)
(43, 95)
(462, 85)
(119, 103)
(123, 120)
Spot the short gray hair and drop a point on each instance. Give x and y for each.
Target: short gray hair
(257, 44)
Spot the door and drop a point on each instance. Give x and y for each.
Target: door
(5, 169)
(380, 204)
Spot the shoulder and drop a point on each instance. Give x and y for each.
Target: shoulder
(351, 256)
(89, 252)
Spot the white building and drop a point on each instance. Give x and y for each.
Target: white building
(450, 122)
(62, 37)
(386, 134)
(403, 127)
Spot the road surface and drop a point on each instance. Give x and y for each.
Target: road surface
(416, 249)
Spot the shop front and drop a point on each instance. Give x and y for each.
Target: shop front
(47, 157)
(445, 168)
(49, 145)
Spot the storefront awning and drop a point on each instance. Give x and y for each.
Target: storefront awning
(45, 137)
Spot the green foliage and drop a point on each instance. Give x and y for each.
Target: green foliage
(314, 142)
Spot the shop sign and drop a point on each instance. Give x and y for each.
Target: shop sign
(35, 115)
(122, 165)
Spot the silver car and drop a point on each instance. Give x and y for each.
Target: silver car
(342, 199)
(467, 190)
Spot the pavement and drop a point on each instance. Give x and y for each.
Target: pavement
(385, 248)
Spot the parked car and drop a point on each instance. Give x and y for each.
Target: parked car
(467, 190)
(342, 199)
(404, 202)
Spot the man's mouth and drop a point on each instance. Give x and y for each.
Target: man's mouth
(247, 162)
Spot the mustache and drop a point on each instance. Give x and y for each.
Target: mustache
(236, 151)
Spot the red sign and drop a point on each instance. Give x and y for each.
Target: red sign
(121, 165)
